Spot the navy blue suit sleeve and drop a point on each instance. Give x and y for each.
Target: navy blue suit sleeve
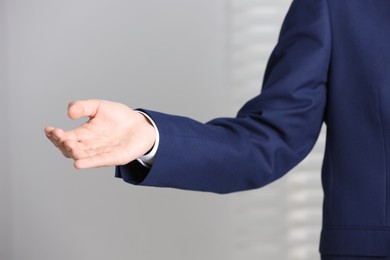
(271, 133)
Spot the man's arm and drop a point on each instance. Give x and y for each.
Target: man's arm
(272, 132)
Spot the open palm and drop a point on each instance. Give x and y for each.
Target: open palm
(113, 135)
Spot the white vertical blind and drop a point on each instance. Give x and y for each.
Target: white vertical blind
(282, 220)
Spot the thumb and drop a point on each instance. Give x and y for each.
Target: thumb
(81, 108)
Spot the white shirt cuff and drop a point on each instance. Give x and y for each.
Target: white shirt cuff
(148, 159)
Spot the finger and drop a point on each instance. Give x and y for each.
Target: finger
(90, 162)
(64, 151)
(78, 150)
(74, 135)
(67, 146)
(60, 145)
(81, 108)
(48, 131)
(57, 135)
(99, 160)
(53, 135)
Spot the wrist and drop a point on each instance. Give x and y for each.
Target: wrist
(148, 158)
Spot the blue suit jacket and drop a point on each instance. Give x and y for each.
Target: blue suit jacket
(332, 65)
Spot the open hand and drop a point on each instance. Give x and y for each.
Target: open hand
(113, 135)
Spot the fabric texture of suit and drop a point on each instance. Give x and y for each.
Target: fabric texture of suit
(330, 65)
(330, 257)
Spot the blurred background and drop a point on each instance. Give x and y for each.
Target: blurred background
(197, 58)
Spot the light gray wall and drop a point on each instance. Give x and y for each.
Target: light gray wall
(5, 192)
(164, 55)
